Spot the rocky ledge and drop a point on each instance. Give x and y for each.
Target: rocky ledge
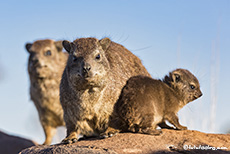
(12, 144)
(171, 141)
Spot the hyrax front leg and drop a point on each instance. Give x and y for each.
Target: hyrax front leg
(148, 125)
(116, 125)
(72, 135)
(173, 119)
(109, 132)
(49, 133)
(72, 138)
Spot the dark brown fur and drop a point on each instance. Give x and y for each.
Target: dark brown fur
(145, 103)
(91, 83)
(45, 67)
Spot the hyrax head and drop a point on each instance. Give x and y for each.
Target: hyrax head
(185, 84)
(44, 57)
(87, 62)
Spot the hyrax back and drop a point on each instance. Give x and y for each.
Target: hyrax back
(145, 103)
(91, 83)
(45, 66)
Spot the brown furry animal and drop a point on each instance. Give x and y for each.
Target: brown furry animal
(45, 66)
(145, 103)
(91, 83)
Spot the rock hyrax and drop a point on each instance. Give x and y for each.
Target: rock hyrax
(145, 103)
(95, 73)
(45, 66)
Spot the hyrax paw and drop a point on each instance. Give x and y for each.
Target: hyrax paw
(107, 134)
(103, 136)
(151, 131)
(69, 140)
(182, 128)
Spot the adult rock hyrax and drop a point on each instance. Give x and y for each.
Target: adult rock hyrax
(145, 103)
(45, 66)
(95, 73)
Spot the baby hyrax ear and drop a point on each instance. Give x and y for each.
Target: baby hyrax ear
(28, 46)
(105, 42)
(176, 77)
(67, 45)
(58, 45)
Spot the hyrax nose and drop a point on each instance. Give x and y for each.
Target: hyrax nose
(86, 67)
(200, 94)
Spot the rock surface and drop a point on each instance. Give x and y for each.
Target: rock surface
(12, 144)
(171, 141)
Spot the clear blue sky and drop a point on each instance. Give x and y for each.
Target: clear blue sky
(165, 34)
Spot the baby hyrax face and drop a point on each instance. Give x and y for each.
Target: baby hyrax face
(87, 64)
(44, 58)
(146, 103)
(185, 84)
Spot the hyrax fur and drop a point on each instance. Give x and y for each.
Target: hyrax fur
(145, 103)
(45, 66)
(91, 83)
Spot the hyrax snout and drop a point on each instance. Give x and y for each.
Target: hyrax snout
(45, 66)
(146, 103)
(87, 63)
(94, 75)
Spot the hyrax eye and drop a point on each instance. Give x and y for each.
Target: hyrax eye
(48, 53)
(98, 57)
(192, 87)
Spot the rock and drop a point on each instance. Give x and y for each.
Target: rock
(12, 144)
(171, 141)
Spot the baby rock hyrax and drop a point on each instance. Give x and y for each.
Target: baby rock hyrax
(45, 66)
(146, 103)
(95, 73)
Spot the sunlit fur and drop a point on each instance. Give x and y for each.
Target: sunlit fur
(145, 103)
(45, 66)
(88, 97)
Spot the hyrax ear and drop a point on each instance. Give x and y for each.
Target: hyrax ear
(105, 42)
(58, 45)
(28, 46)
(176, 77)
(167, 79)
(67, 45)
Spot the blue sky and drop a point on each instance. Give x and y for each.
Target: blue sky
(164, 34)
